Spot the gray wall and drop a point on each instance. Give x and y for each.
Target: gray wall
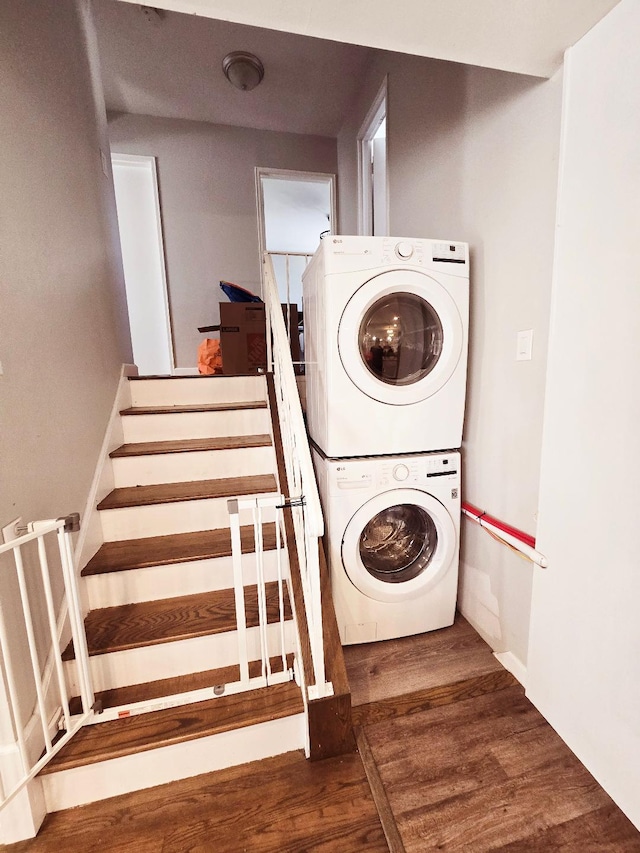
(472, 155)
(63, 327)
(208, 197)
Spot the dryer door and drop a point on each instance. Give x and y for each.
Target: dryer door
(398, 545)
(400, 337)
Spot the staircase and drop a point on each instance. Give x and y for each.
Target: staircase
(161, 627)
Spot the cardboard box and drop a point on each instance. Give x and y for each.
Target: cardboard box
(243, 340)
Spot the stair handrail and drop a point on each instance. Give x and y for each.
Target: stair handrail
(304, 499)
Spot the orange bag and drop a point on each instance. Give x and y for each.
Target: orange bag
(209, 357)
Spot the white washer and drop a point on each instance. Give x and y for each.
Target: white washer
(386, 329)
(393, 534)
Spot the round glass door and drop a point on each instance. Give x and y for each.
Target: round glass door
(398, 543)
(401, 338)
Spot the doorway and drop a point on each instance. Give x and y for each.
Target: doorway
(373, 216)
(295, 211)
(140, 225)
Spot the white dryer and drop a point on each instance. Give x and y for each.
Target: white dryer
(386, 331)
(393, 533)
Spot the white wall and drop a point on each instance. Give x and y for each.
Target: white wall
(472, 156)
(509, 180)
(585, 629)
(208, 197)
(63, 327)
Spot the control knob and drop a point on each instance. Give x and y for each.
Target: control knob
(400, 472)
(404, 249)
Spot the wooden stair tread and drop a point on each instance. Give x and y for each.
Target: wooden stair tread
(117, 738)
(130, 626)
(418, 701)
(150, 690)
(127, 554)
(379, 671)
(224, 487)
(190, 445)
(187, 408)
(211, 377)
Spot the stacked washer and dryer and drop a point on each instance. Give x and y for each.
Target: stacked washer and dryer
(386, 330)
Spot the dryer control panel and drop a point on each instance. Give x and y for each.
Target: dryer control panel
(374, 473)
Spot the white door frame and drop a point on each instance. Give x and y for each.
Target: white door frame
(290, 175)
(149, 163)
(374, 118)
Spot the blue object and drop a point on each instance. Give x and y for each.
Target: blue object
(238, 294)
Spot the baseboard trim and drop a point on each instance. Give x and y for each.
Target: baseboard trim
(91, 537)
(513, 665)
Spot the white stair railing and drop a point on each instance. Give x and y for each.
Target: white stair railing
(304, 500)
(288, 280)
(51, 696)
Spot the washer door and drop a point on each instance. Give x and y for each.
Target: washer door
(400, 337)
(398, 545)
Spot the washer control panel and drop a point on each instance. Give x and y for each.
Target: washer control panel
(406, 251)
(449, 253)
(388, 472)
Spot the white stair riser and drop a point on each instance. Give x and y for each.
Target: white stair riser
(155, 582)
(69, 788)
(181, 657)
(162, 519)
(177, 425)
(201, 465)
(194, 391)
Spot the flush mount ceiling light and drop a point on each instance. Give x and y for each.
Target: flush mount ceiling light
(243, 70)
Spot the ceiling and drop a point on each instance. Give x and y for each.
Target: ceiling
(524, 36)
(170, 64)
(162, 62)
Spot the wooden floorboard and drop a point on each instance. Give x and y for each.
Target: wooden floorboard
(191, 490)
(478, 773)
(280, 804)
(197, 407)
(378, 671)
(190, 445)
(117, 738)
(174, 548)
(431, 697)
(482, 774)
(130, 626)
(604, 830)
(383, 806)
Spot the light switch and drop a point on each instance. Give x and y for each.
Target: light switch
(524, 345)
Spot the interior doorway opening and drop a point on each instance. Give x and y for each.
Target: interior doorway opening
(295, 211)
(373, 215)
(140, 225)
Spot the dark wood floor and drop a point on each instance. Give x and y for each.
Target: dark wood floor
(455, 759)
(276, 805)
(489, 773)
